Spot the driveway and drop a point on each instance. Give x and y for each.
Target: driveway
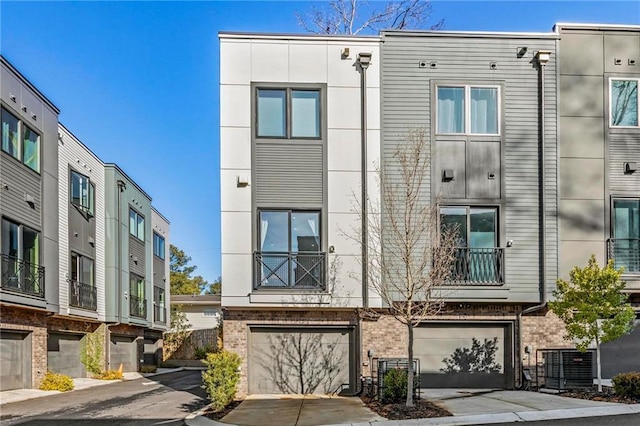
(299, 410)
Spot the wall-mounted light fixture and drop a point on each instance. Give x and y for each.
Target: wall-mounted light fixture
(543, 56)
(521, 51)
(242, 181)
(344, 54)
(510, 243)
(447, 175)
(630, 167)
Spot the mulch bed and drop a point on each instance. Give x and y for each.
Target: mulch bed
(607, 395)
(220, 414)
(422, 409)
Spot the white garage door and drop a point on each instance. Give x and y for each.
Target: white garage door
(15, 361)
(302, 361)
(467, 356)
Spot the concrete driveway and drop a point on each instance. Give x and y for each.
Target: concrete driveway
(299, 410)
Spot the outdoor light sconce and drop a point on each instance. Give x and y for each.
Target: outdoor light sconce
(629, 168)
(447, 175)
(543, 56)
(243, 181)
(364, 59)
(510, 243)
(345, 53)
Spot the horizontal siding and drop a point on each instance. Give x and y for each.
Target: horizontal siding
(623, 147)
(136, 249)
(17, 180)
(158, 272)
(289, 175)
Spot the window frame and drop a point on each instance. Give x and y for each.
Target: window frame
(610, 112)
(79, 263)
(288, 113)
(91, 193)
(467, 108)
(138, 216)
(21, 125)
(289, 233)
(20, 249)
(468, 208)
(157, 253)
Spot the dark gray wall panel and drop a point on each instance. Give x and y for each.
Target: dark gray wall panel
(19, 180)
(483, 159)
(82, 230)
(123, 350)
(15, 361)
(158, 272)
(451, 155)
(621, 355)
(136, 252)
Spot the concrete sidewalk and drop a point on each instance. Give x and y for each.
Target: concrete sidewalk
(7, 397)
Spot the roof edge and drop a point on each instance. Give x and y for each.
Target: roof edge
(116, 167)
(594, 27)
(30, 85)
(296, 36)
(469, 34)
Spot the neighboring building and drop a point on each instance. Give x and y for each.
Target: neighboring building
(202, 311)
(599, 210)
(29, 289)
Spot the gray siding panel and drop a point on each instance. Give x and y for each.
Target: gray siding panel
(623, 147)
(136, 251)
(17, 181)
(158, 272)
(406, 102)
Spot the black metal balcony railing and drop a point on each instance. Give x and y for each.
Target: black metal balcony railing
(625, 253)
(21, 276)
(83, 295)
(290, 270)
(478, 266)
(137, 306)
(159, 313)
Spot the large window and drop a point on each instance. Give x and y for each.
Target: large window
(20, 141)
(158, 246)
(624, 245)
(82, 286)
(289, 249)
(288, 113)
(82, 192)
(624, 103)
(467, 110)
(159, 308)
(136, 224)
(138, 302)
(20, 250)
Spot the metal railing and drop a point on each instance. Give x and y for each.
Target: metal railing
(137, 306)
(625, 253)
(21, 276)
(159, 313)
(83, 295)
(290, 270)
(478, 266)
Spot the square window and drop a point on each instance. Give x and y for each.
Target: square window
(467, 110)
(288, 113)
(624, 103)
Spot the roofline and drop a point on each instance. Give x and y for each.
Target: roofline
(80, 142)
(468, 34)
(594, 27)
(24, 80)
(160, 214)
(115, 166)
(293, 36)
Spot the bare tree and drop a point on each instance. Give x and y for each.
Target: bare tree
(410, 259)
(357, 16)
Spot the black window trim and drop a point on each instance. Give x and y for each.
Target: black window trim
(131, 209)
(155, 234)
(290, 211)
(21, 124)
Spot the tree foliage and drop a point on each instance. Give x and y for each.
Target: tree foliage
(593, 307)
(213, 288)
(180, 274)
(358, 16)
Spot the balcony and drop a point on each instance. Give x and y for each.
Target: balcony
(290, 270)
(478, 266)
(137, 306)
(159, 313)
(22, 277)
(83, 295)
(625, 253)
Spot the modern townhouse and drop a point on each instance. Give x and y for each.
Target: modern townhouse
(63, 228)
(599, 144)
(291, 138)
(29, 290)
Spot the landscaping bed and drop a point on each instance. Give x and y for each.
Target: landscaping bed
(422, 409)
(607, 395)
(210, 414)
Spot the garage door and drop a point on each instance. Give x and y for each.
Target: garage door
(467, 356)
(621, 355)
(288, 361)
(123, 350)
(15, 361)
(63, 354)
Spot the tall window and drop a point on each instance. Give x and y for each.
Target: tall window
(20, 250)
(82, 285)
(136, 224)
(158, 246)
(467, 110)
(625, 246)
(159, 312)
(624, 103)
(82, 192)
(20, 141)
(138, 303)
(288, 113)
(82, 269)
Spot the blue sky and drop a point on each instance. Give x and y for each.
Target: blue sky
(137, 82)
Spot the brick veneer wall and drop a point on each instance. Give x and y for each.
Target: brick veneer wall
(34, 322)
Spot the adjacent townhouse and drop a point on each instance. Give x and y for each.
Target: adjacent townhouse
(84, 254)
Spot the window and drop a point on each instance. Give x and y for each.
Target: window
(467, 110)
(159, 310)
(158, 246)
(82, 193)
(82, 288)
(289, 249)
(624, 245)
(20, 141)
(136, 224)
(288, 113)
(138, 303)
(624, 103)
(82, 269)
(20, 250)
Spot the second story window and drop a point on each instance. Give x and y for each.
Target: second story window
(20, 253)
(82, 193)
(136, 224)
(624, 244)
(288, 113)
(467, 110)
(158, 246)
(82, 285)
(20, 141)
(624, 103)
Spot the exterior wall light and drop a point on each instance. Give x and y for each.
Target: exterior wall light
(543, 56)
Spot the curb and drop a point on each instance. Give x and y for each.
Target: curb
(197, 418)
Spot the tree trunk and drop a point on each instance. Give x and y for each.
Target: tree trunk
(598, 365)
(410, 372)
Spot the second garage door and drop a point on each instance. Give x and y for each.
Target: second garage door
(63, 354)
(15, 360)
(300, 361)
(124, 350)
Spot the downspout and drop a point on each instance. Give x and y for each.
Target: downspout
(542, 57)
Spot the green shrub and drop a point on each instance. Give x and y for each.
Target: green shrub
(201, 352)
(110, 375)
(395, 385)
(627, 384)
(55, 381)
(221, 378)
(148, 369)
